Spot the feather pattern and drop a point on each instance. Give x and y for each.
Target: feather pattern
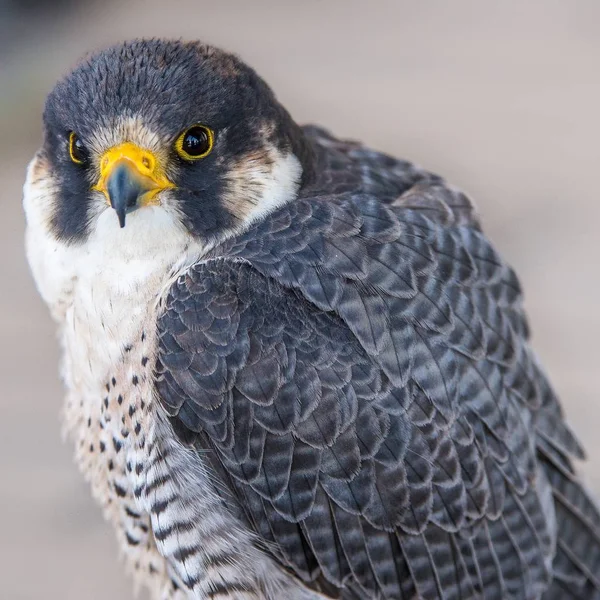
(358, 364)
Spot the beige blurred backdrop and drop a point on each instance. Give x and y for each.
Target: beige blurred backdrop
(501, 98)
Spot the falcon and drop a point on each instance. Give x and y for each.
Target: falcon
(295, 367)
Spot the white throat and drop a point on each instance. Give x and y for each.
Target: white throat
(104, 293)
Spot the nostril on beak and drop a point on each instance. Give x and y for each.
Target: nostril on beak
(129, 178)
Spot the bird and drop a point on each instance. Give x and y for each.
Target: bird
(295, 367)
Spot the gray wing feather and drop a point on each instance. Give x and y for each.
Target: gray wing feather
(361, 371)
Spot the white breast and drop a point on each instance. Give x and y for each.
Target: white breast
(104, 293)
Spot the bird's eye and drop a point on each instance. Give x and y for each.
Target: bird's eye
(78, 152)
(195, 142)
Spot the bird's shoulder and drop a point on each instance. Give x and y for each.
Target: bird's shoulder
(351, 166)
(359, 364)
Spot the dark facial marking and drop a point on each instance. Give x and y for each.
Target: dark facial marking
(170, 86)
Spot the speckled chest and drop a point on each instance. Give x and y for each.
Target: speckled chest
(109, 349)
(173, 525)
(112, 431)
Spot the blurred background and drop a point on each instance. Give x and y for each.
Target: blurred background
(501, 98)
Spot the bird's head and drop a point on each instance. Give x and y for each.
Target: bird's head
(151, 139)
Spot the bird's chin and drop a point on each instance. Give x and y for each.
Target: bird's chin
(150, 232)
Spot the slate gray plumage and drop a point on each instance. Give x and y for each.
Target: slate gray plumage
(359, 364)
(295, 367)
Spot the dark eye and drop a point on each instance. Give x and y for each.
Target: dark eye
(195, 142)
(78, 152)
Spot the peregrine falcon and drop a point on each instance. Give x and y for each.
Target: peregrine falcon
(295, 367)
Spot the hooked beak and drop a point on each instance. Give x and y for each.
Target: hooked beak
(130, 178)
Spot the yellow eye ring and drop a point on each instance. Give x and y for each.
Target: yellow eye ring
(77, 151)
(195, 142)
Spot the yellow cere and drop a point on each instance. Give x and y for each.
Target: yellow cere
(143, 165)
